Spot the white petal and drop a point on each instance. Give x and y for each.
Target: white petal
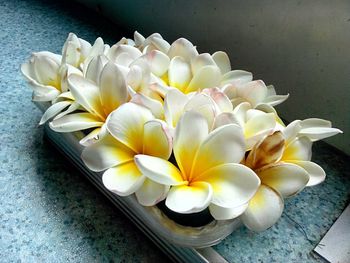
(222, 61)
(200, 61)
(156, 139)
(316, 173)
(117, 50)
(160, 44)
(188, 199)
(151, 193)
(73, 107)
(94, 68)
(106, 153)
(298, 149)
(112, 88)
(159, 170)
(87, 94)
(174, 104)
(287, 178)
(223, 213)
(236, 77)
(126, 125)
(159, 62)
(204, 105)
(254, 92)
(49, 95)
(206, 77)
(317, 129)
(75, 122)
(233, 184)
(264, 209)
(139, 39)
(275, 100)
(224, 119)
(223, 145)
(183, 48)
(53, 110)
(190, 132)
(124, 179)
(240, 111)
(153, 105)
(179, 73)
(46, 70)
(291, 131)
(71, 51)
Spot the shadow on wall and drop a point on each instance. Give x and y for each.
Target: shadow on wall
(300, 47)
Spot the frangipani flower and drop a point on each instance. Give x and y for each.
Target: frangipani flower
(44, 73)
(208, 169)
(244, 89)
(210, 103)
(256, 124)
(77, 51)
(283, 163)
(97, 99)
(134, 131)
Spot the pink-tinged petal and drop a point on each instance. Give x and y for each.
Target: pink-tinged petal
(206, 77)
(159, 170)
(151, 193)
(267, 151)
(126, 125)
(298, 149)
(190, 132)
(53, 110)
(156, 139)
(275, 100)
(159, 62)
(204, 105)
(223, 145)
(94, 68)
(222, 61)
(75, 122)
(224, 119)
(179, 73)
(254, 92)
(264, 209)
(221, 100)
(174, 104)
(153, 105)
(233, 184)
(317, 129)
(236, 77)
(187, 199)
(183, 48)
(113, 90)
(287, 178)
(200, 61)
(230, 91)
(223, 213)
(106, 153)
(87, 94)
(316, 173)
(124, 179)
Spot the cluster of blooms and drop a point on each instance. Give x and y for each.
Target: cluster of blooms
(167, 123)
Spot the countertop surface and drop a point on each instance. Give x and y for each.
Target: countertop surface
(51, 213)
